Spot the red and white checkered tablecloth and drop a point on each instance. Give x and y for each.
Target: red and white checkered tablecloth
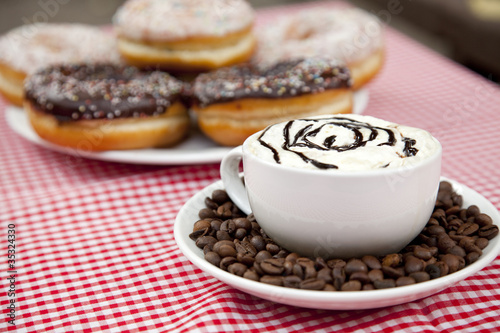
(96, 252)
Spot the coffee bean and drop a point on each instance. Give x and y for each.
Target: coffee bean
(473, 210)
(220, 196)
(483, 220)
(489, 232)
(206, 213)
(223, 235)
(453, 210)
(272, 248)
(413, 264)
(207, 248)
(251, 275)
(384, 284)
(355, 265)
(422, 252)
(339, 277)
(455, 224)
(282, 254)
(226, 262)
(371, 262)
(467, 229)
(472, 257)
(405, 281)
(240, 233)
(262, 255)
(245, 248)
(292, 257)
(325, 274)
(392, 260)
(435, 230)
(320, 263)
(457, 250)
(225, 250)
(258, 242)
(297, 270)
(481, 243)
(272, 266)
(368, 286)
(292, 281)
(224, 211)
(197, 234)
(210, 203)
(272, 279)
(312, 284)
(245, 260)
(288, 267)
(420, 276)
(213, 258)
(221, 243)
(453, 262)
(228, 226)
(361, 277)
(329, 287)
(205, 240)
(243, 222)
(335, 263)
(393, 272)
(237, 269)
(444, 242)
(375, 274)
(463, 215)
(353, 285)
(443, 268)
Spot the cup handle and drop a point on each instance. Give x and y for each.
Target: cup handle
(235, 188)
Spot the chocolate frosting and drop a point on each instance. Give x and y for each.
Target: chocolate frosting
(282, 80)
(86, 92)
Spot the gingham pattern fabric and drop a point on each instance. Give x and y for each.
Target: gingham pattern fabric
(96, 252)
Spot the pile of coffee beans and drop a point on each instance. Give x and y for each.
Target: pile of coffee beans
(453, 238)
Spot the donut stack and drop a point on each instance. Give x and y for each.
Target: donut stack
(169, 65)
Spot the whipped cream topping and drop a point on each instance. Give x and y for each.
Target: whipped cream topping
(343, 142)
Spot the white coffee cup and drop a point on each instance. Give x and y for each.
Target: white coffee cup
(334, 213)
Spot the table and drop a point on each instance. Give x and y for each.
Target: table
(96, 252)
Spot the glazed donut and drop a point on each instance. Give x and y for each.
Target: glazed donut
(234, 102)
(185, 35)
(105, 107)
(31, 47)
(348, 34)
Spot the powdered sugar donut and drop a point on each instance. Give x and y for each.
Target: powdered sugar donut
(348, 34)
(185, 35)
(30, 47)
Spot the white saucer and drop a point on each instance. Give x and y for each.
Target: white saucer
(331, 300)
(196, 149)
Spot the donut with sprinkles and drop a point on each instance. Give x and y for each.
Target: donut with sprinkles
(234, 102)
(28, 48)
(351, 35)
(185, 35)
(106, 107)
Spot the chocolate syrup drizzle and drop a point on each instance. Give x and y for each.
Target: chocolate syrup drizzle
(302, 139)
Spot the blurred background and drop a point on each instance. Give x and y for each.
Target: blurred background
(466, 31)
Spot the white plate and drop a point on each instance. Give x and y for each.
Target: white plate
(331, 300)
(196, 149)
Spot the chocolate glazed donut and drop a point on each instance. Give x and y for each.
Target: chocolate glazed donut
(234, 102)
(106, 107)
